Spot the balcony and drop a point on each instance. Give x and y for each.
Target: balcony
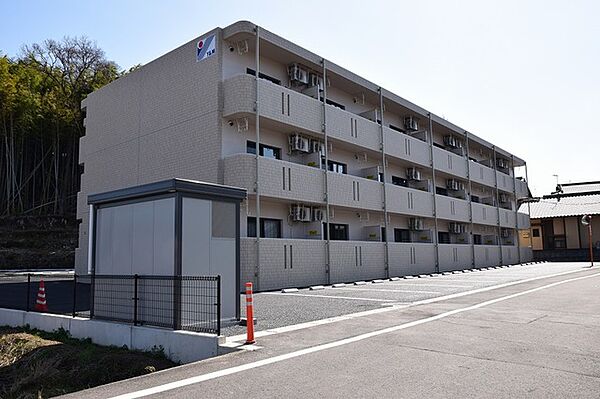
(403, 146)
(485, 214)
(452, 208)
(351, 128)
(522, 190)
(487, 255)
(507, 218)
(355, 192)
(411, 258)
(449, 162)
(408, 201)
(454, 257)
(276, 102)
(505, 182)
(481, 174)
(278, 179)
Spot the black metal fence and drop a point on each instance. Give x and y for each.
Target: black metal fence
(180, 302)
(190, 303)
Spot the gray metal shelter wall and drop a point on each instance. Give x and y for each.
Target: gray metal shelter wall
(136, 238)
(209, 245)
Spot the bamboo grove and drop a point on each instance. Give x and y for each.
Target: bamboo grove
(41, 122)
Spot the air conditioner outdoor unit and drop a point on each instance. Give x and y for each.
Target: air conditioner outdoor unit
(317, 146)
(456, 228)
(505, 233)
(452, 142)
(299, 143)
(297, 74)
(413, 174)
(372, 115)
(415, 224)
(455, 185)
(411, 124)
(318, 214)
(502, 163)
(315, 79)
(299, 213)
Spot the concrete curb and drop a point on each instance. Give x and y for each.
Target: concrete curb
(360, 283)
(377, 281)
(289, 290)
(316, 288)
(338, 285)
(394, 278)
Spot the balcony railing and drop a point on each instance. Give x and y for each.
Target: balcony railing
(279, 179)
(449, 162)
(403, 146)
(452, 208)
(485, 214)
(408, 201)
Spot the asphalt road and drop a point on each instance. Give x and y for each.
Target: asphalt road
(538, 338)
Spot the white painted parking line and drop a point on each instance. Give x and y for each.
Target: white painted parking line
(388, 290)
(276, 359)
(331, 296)
(424, 284)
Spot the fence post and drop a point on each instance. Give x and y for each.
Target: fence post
(218, 304)
(28, 290)
(92, 294)
(74, 294)
(135, 299)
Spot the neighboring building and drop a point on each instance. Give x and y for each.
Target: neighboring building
(556, 229)
(354, 182)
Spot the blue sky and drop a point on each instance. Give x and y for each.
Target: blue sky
(521, 74)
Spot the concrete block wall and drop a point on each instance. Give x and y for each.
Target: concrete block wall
(487, 255)
(411, 259)
(356, 260)
(455, 257)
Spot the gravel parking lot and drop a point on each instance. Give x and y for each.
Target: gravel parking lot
(277, 309)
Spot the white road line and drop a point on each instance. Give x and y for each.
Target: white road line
(387, 290)
(429, 285)
(331, 296)
(300, 326)
(330, 345)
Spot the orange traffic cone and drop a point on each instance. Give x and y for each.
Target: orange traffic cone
(40, 303)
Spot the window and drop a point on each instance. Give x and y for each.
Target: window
(333, 103)
(477, 239)
(536, 232)
(336, 167)
(336, 231)
(383, 234)
(399, 181)
(396, 128)
(443, 237)
(266, 151)
(401, 235)
(263, 76)
(441, 191)
(269, 228)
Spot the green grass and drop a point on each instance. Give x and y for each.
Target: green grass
(37, 364)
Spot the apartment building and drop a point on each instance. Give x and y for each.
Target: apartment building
(345, 180)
